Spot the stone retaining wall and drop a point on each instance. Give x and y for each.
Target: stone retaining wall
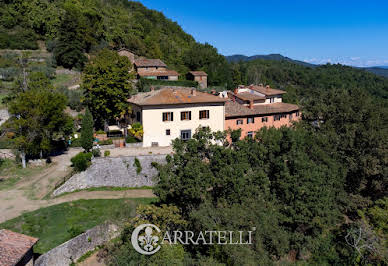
(114, 172)
(72, 250)
(134, 145)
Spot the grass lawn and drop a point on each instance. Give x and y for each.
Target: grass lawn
(56, 224)
(103, 189)
(11, 173)
(63, 80)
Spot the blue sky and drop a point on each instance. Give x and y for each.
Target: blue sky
(349, 32)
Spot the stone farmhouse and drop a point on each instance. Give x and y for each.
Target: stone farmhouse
(250, 108)
(154, 69)
(198, 76)
(157, 69)
(171, 113)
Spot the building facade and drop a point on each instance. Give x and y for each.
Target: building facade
(198, 76)
(154, 69)
(167, 114)
(250, 108)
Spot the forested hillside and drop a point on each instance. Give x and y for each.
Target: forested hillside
(277, 57)
(72, 27)
(301, 82)
(379, 70)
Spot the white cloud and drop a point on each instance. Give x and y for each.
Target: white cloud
(350, 61)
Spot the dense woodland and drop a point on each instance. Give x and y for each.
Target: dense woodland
(317, 192)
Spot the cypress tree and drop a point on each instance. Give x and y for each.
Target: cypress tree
(87, 131)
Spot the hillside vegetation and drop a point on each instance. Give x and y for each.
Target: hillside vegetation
(378, 70)
(74, 26)
(301, 81)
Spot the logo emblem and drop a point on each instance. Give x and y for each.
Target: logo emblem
(146, 243)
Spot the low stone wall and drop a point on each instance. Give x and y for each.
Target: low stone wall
(72, 250)
(37, 163)
(114, 172)
(134, 145)
(7, 153)
(107, 147)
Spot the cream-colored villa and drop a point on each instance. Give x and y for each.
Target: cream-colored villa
(171, 113)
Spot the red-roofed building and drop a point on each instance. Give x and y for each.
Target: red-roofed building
(154, 69)
(252, 107)
(171, 113)
(16, 249)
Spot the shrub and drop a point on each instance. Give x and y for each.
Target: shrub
(136, 130)
(73, 96)
(50, 45)
(9, 73)
(137, 164)
(131, 139)
(75, 143)
(81, 161)
(96, 152)
(6, 143)
(18, 38)
(106, 153)
(106, 142)
(48, 71)
(100, 132)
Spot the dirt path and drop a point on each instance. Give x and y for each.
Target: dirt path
(17, 203)
(92, 261)
(27, 195)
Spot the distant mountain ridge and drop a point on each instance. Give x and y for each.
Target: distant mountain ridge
(277, 57)
(378, 70)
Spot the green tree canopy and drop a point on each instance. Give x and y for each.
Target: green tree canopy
(38, 118)
(106, 81)
(70, 48)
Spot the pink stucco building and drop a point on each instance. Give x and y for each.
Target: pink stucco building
(250, 108)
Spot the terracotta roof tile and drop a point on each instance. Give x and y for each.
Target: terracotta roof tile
(266, 90)
(233, 109)
(246, 96)
(198, 73)
(147, 73)
(13, 246)
(168, 96)
(150, 63)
